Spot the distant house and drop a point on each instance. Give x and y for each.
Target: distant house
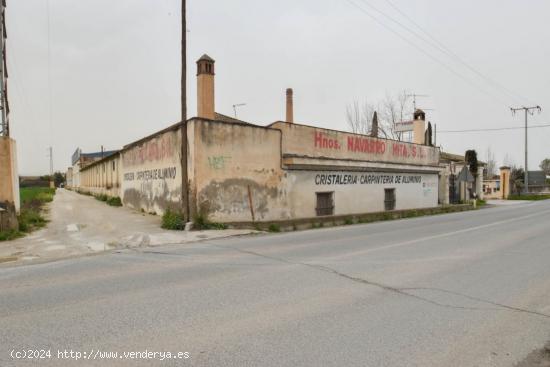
(538, 182)
(457, 183)
(491, 188)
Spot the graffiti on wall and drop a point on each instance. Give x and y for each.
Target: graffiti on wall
(218, 162)
(157, 149)
(373, 146)
(151, 174)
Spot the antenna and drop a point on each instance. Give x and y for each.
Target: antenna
(237, 105)
(414, 95)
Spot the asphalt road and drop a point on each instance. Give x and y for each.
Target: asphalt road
(464, 289)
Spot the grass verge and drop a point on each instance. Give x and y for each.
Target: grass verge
(532, 197)
(30, 217)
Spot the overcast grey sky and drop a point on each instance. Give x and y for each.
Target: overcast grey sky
(115, 68)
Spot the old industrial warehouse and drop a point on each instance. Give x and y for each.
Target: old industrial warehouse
(232, 171)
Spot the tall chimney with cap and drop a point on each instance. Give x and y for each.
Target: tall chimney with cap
(289, 106)
(419, 127)
(205, 88)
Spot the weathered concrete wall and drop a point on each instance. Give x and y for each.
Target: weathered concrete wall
(359, 192)
(151, 173)
(307, 141)
(102, 177)
(69, 177)
(231, 165)
(9, 175)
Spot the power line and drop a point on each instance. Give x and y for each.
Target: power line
(441, 63)
(528, 111)
(495, 129)
(453, 55)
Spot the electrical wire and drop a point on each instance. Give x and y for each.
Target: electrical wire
(443, 48)
(441, 63)
(494, 129)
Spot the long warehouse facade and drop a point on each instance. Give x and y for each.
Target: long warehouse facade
(230, 171)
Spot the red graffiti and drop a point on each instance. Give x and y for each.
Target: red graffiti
(323, 141)
(366, 145)
(153, 150)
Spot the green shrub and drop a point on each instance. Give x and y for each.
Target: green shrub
(274, 228)
(102, 197)
(348, 221)
(114, 201)
(201, 222)
(172, 220)
(9, 235)
(217, 225)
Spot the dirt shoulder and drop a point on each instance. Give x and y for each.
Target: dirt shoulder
(80, 225)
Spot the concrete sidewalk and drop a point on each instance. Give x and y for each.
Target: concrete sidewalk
(80, 225)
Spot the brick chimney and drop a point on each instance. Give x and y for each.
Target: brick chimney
(419, 127)
(289, 106)
(205, 88)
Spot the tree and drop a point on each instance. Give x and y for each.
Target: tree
(491, 168)
(58, 178)
(391, 109)
(517, 176)
(545, 166)
(471, 160)
(359, 117)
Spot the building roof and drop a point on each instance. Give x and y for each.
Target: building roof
(224, 118)
(99, 161)
(537, 178)
(103, 154)
(205, 57)
(450, 157)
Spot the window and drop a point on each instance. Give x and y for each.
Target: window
(325, 203)
(113, 165)
(389, 199)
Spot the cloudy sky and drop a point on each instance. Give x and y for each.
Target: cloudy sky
(114, 67)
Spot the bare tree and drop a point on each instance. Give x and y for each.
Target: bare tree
(391, 110)
(359, 117)
(491, 167)
(395, 109)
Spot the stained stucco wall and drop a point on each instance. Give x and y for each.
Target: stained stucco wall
(231, 165)
(151, 173)
(307, 141)
(9, 176)
(102, 177)
(359, 192)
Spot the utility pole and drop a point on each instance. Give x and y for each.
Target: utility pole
(528, 111)
(5, 109)
(184, 177)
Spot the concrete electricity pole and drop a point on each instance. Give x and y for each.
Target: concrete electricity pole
(528, 111)
(184, 177)
(4, 123)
